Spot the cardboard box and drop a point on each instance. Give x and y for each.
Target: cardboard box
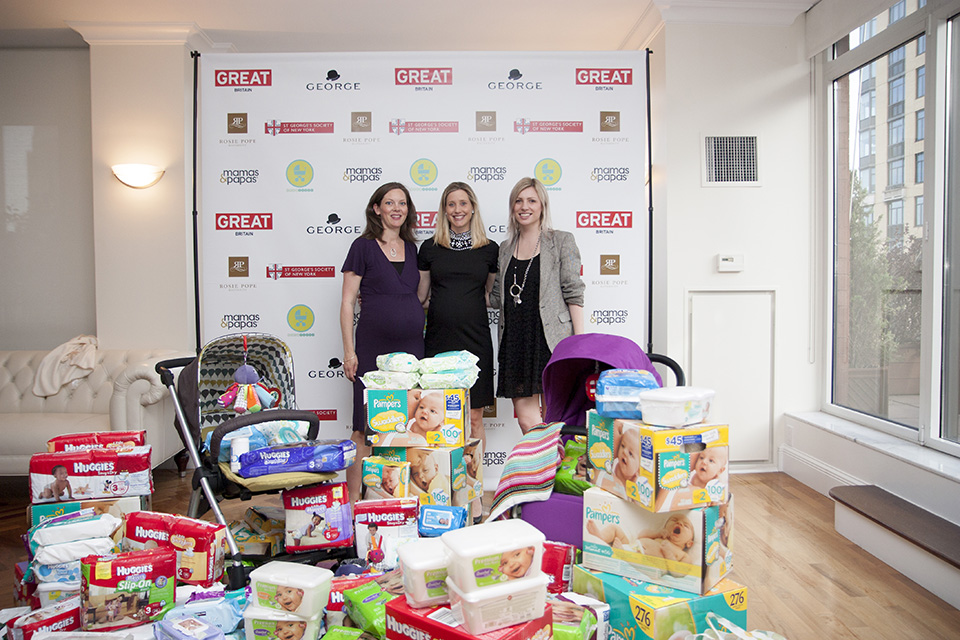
(37, 513)
(407, 623)
(660, 468)
(265, 519)
(437, 475)
(382, 478)
(687, 550)
(647, 611)
(417, 417)
(252, 543)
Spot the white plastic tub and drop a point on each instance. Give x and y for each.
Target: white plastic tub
(499, 606)
(675, 406)
(424, 566)
(270, 623)
(490, 554)
(292, 588)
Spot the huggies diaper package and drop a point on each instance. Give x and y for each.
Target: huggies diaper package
(384, 478)
(60, 616)
(405, 622)
(200, 545)
(318, 517)
(299, 589)
(127, 589)
(94, 473)
(417, 417)
(646, 611)
(97, 440)
(311, 456)
(660, 468)
(382, 527)
(682, 549)
(435, 473)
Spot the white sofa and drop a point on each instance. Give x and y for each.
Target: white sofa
(122, 393)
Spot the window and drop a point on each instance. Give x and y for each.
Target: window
(895, 104)
(895, 173)
(921, 81)
(918, 211)
(918, 167)
(920, 132)
(896, 62)
(895, 138)
(898, 11)
(895, 225)
(868, 179)
(868, 105)
(922, 45)
(868, 143)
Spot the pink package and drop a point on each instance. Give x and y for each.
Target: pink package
(60, 616)
(96, 440)
(94, 473)
(557, 563)
(200, 545)
(318, 517)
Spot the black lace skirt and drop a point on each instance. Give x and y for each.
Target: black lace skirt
(523, 348)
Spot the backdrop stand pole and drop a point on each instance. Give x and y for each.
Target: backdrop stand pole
(196, 246)
(649, 215)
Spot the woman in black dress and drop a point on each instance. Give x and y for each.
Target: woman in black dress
(457, 268)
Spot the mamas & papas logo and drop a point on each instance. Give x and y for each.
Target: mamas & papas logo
(609, 316)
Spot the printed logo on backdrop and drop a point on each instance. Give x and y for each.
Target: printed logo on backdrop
(361, 122)
(609, 316)
(332, 83)
(238, 267)
(299, 175)
(493, 317)
(604, 221)
(548, 171)
(276, 271)
(426, 221)
(324, 414)
(609, 266)
(399, 125)
(524, 126)
(423, 78)
(236, 125)
(275, 128)
(604, 79)
(610, 174)
(243, 80)
(300, 318)
(424, 172)
(239, 321)
(362, 175)
(490, 411)
(515, 82)
(244, 224)
(486, 174)
(333, 228)
(494, 458)
(485, 122)
(333, 371)
(239, 176)
(609, 121)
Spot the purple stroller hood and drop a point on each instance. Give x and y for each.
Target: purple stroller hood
(573, 361)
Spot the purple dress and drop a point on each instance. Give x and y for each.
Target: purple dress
(391, 316)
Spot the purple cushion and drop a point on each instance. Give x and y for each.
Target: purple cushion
(559, 518)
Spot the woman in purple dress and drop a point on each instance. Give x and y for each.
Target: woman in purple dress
(381, 271)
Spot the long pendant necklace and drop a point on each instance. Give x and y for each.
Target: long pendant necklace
(517, 289)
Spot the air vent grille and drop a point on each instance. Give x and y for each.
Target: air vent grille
(730, 160)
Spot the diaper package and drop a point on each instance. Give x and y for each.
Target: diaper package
(312, 456)
(60, 616)
(456, 379)
(436, 474)
(79, 526)
(399, 362)
(365, 606)
(264, 434)
(417, 417)
(318, 517)
(382, 527)
(265, 518)
(557, 562)
(93, 473)
(97, 440)
(390, 379)
(252, 543)
(448, 361)
(127, 589)
(299, 589)
(37, 513)
(618, 392)
(24, 586)
(200, 545)
(436, 519)
(384, 478)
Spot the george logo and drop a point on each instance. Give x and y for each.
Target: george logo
(514, 82)
(331, 83)
(610, 265)
(300, 318)
(548, 171)
(243, 78)
(361, 121)
(423, 172)
(609, 316)
(486, 174)
(609, 121)
(423, 76)
(299, 173)
(610, 174)
(244, 221)
(275, 128)
(236, 123)
(604, 76)
(604, 219)
(238, 267)
(239, 176)
(399, 125)
(362, 174)
(240, 321)
(277, 271)
(524, 126)
(486, 121)
(332, 227)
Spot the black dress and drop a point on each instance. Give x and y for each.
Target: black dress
(457, 316)
(523, 347)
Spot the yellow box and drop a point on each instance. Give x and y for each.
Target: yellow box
(417, 417)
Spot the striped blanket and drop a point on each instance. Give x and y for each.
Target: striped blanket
(530, 469)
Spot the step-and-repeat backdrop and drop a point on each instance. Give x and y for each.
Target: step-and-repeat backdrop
(292, 146)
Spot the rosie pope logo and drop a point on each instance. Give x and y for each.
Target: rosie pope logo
(243, 77)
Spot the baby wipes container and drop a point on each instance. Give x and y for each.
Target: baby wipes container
(424, 566)
(675, 406)
(300, 590)
(270, 624)
(493, 553)
(499, 606)
(618, 392)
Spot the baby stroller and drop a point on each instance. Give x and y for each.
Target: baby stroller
(575, 363)
(195, 396)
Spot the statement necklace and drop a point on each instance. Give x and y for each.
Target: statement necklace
(517, 289)
(461, 241)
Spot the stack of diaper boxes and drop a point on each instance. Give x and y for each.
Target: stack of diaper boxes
(658, 522)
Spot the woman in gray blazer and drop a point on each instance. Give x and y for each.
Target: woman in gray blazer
(539, 293)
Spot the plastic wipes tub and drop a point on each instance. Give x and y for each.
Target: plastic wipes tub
(503, 605)
(618, 392)
(424, 566)
(675, 406)
(493, 553)
(301, 590)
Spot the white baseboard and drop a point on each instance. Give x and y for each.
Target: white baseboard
(812, 471)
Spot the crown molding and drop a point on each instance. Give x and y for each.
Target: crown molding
(744, 12)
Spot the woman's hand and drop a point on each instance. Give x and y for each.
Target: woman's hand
(350, 367)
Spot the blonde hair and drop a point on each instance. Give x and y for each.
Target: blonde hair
(441, 233)
(513, 228)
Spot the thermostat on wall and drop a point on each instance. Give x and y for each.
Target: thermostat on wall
(727, 262)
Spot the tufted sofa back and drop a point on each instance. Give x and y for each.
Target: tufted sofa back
(90, 394)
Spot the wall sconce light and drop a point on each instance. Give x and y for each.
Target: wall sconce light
(137, 176)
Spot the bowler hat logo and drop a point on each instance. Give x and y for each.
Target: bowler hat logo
(515, 74)
(332, 75)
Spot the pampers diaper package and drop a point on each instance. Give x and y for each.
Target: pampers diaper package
(660, 468)
(435, 473)
(318, 517)
(384, 478)
(382, 527)
(646, 611)
(417, 417)
(687, 550)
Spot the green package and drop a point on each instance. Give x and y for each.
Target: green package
(366, 606)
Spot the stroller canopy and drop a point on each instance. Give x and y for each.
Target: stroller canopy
(574, 360)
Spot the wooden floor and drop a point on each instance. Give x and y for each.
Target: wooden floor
(804, 580)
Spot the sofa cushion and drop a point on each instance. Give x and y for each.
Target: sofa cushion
(15, 453)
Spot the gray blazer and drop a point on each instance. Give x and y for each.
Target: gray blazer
(560, 283)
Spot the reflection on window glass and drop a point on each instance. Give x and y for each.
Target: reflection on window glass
(872, 27)
(918, 211)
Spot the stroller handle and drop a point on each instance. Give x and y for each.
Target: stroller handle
(163, 368)
(268, 415)
(671, 364)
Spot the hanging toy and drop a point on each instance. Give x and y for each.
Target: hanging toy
(247, 394)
